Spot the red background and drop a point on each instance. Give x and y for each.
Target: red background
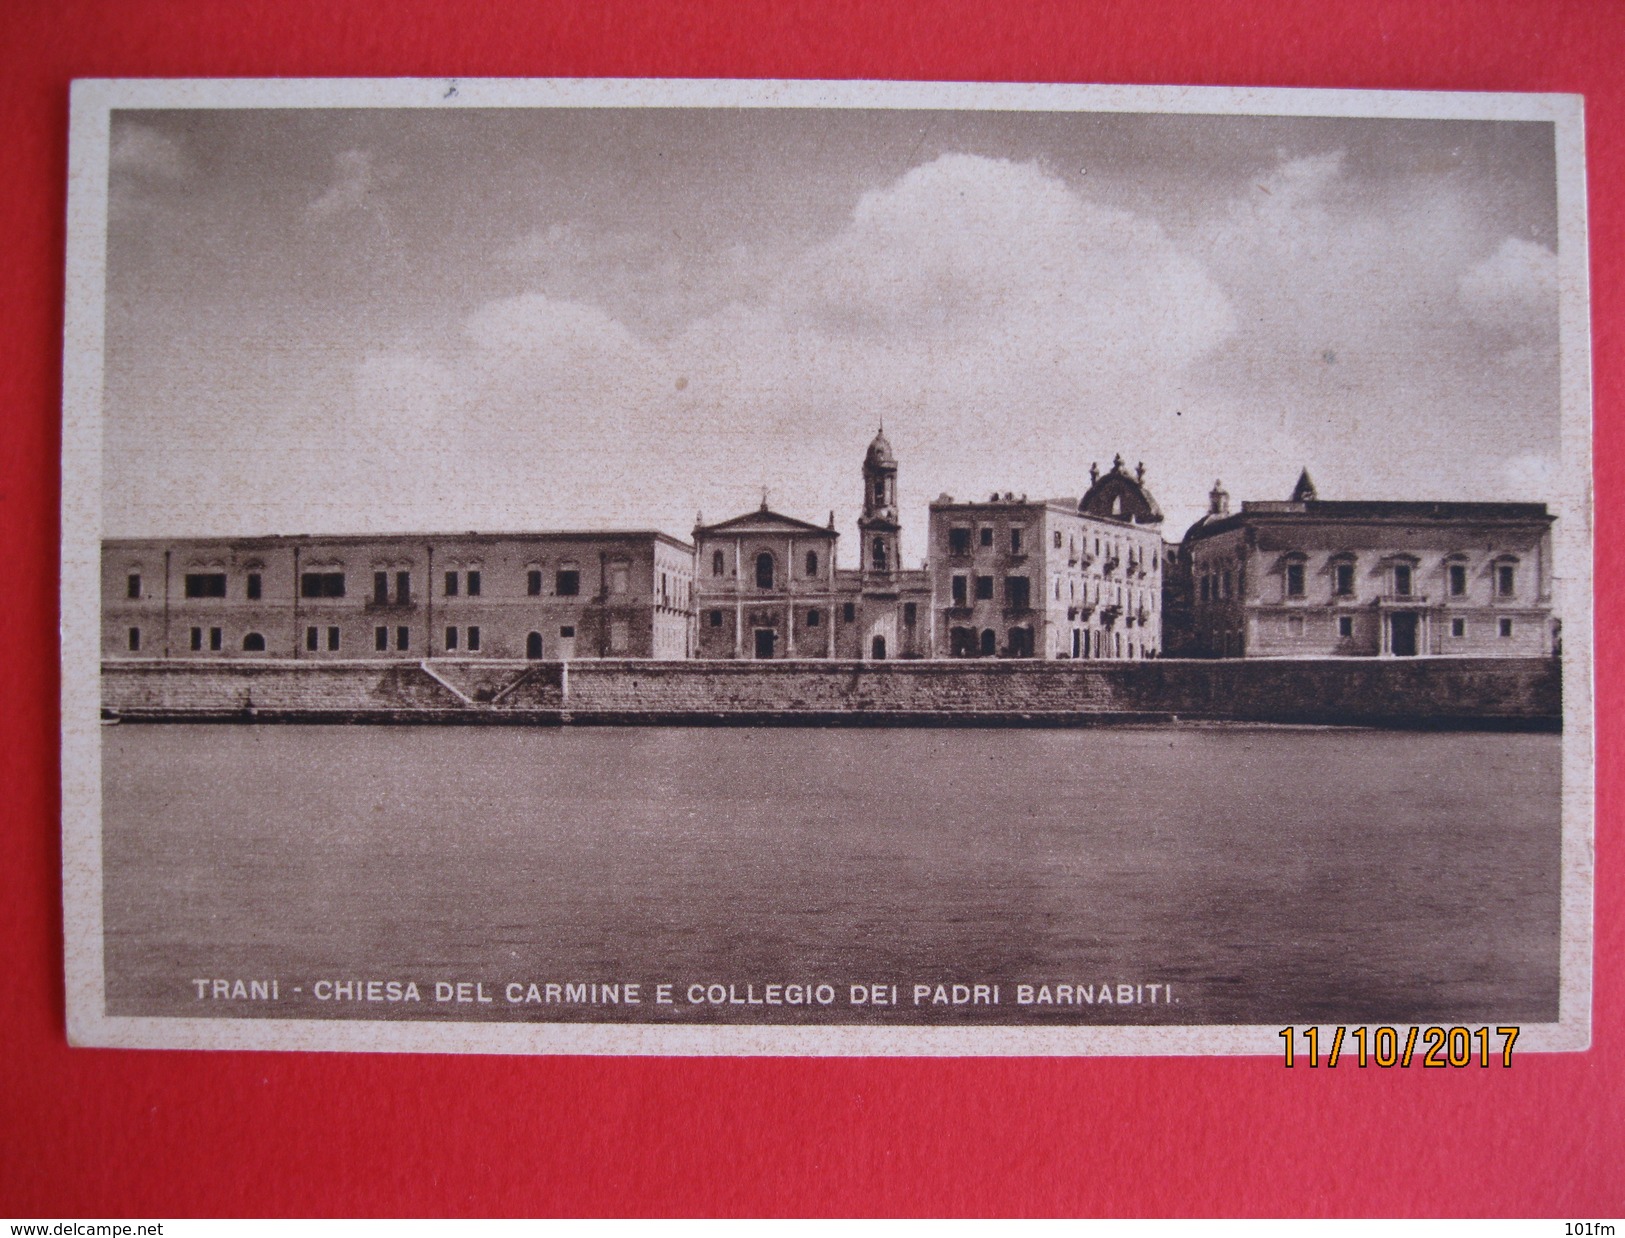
(90, 1132)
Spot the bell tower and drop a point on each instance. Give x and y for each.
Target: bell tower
(878, 527)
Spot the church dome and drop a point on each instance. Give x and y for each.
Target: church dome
(880, 452)
(1120, 495)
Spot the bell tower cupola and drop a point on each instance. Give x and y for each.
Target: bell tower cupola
(878, 525)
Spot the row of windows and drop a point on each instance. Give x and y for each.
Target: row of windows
(1401, 581)
(1345, 626)
(815, 616)
(959, 544)
(331, 639)
(959, 539)
(767, 566)
(566, 583)
(1017, 590)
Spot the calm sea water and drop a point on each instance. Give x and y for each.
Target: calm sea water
(1268, 875)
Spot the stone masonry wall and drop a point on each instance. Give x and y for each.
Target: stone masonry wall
(1390, 692)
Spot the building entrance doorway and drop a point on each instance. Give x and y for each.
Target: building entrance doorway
(1402, 634)
(533, 645)
(766, 638)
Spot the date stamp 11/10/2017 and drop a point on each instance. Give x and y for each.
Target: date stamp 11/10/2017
(1441, 1047)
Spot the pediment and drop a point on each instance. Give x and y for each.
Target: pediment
(763, 521)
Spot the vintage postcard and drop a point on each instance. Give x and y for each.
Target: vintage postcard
(827, 568)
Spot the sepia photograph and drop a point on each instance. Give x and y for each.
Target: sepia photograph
(824, 568)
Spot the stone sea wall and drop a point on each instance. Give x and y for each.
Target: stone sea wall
(1476, 692)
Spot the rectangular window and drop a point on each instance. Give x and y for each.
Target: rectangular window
(451, 584)
(984, 588)
(568, 631)
(1057, 539)
(1294, 625)
(985, 535)
(473, 640)
(1458, 627)
(814, 618)
(403, 639)
(567, 584)
(403, 587)
(380, 588)
(849, 612)
(135, 640)
(1017, 592)
(216, 639)
(620, 576)
(620, 636)
(1345, 626)
(1204, 587)
(1458, 580)
(1402, 580)
(332, 640)
(1294, 580)
(909, 614)
(205, 584)
(380, 639)
(254, 586)
(1506, 580)
(959, 541)
(451, 639)
(1227, 584)
(533, 583)
(1506, 627)
(197, 640)
(961, 587)
(321, 585)
(313, 639)
(1343, 577)
(473, 584)
(132, 585)
(1015, 541)
(716, 618)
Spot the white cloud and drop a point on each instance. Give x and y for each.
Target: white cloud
(1513, 292)
(146, 152)
(351, 183)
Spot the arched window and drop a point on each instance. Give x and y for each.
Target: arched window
(253, 643)
(878, 554)
(880, 490)
(764, 570)
(533, 645)
(990, 642)
(812, 563)
(716, 563)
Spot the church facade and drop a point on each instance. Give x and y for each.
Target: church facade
(767, 585)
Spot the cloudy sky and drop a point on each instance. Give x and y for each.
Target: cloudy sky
(351, 320)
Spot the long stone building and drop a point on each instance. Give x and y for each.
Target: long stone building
(1310, 577)
(480, 595)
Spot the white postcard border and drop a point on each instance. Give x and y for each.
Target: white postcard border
(92, 103)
